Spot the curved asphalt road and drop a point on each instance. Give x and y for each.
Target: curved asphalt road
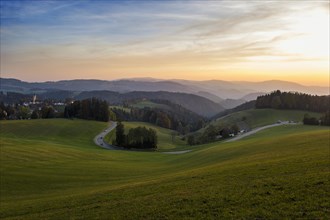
(99, 139)
(238, 137)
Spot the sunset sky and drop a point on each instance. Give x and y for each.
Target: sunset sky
(197, 40)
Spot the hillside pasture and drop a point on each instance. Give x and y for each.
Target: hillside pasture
(260, 117)
(150, 104)
(51, 169)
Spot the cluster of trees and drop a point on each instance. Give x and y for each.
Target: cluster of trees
(324, 120)
(290, 100)
(14, 97)
(45, 112)
(213, 133)
(17, 111)
(90, 109)
(14, 112)
(175, 117)
(139, 137)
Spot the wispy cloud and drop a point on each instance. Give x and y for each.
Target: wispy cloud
(180, 35)
(25, 9)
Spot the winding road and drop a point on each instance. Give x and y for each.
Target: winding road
(99, 139)
(238, 137)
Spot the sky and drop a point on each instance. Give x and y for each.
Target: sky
(196, 40)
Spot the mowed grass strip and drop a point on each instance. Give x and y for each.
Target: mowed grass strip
(281, 172)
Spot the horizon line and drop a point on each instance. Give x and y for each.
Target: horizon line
(162, 79)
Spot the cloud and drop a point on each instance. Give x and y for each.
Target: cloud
(171, 35)
(24, 9)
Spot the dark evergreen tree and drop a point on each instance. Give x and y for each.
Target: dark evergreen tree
(139, 137)
(289, 100)
(308, 120)
(35, 114)
(234, 129)
(191, 140)
(120, 134)
(91, 109)
(47, 112)
(325, 119)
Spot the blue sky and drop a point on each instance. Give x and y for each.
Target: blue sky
(231, 40)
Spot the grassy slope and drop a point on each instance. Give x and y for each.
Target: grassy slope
(278, 173)
(261, 117)
(165, 142)
(120, 107)
(150, 104)
(143, 104)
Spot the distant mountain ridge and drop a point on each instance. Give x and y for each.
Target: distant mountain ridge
(122, 86)
(215, 90)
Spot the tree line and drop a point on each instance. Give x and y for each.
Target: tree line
(14, 97)
(18, 112)
(290, 100)
(323, 120)
(213, 133)
(90, 109)
(139, 137)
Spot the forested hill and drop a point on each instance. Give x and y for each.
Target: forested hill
(297, 101)
(242, 107)
(194, 103)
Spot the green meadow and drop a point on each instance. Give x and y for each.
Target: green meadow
(261, 117)
(51, 169)
(150, 104)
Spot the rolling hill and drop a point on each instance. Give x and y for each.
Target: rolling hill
(194, 103)
(51, 169)
(197, 104)
(121, 86)
(253, 118)
(240, 89)
(150, 104)
(211, 89)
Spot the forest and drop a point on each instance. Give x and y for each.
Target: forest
(297, 101)
(176, 117)
(90, 109)
(19, 112)
(139, 137)
(324, 120)
(213, 133)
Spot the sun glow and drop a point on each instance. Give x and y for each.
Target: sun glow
(311, 40)
(232, 40)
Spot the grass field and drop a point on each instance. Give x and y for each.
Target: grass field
(128, 110)
(261, 117)
(150, 104)
(142, 104)
(165, 141)
(50, 169)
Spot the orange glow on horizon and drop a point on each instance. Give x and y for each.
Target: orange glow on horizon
(269, 41)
